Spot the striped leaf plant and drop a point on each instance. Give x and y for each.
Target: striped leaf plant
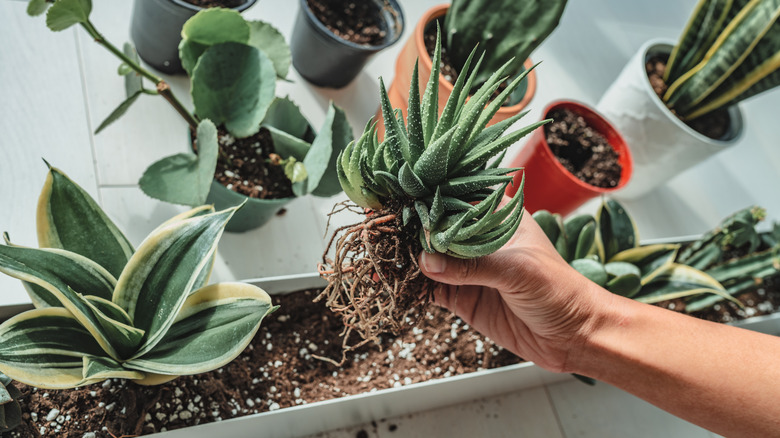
(728, 52)
(606, 250)
(104, 309)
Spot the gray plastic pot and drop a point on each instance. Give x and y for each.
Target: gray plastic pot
(327, 60)
(156, 30)
(254, 214)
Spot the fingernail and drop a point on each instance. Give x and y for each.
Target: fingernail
(434, 263)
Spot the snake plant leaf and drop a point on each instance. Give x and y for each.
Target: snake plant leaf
(735, 231)
(68, 218)
(680, 281)
(591, 269)
(549, 223)
(123, 337)
(209, 27)
(36, 7)
(101, 368)
(737, 58)
(285, 116)
(267, 38)
(705, 24)
(503, 29)
(65, 13)
(627, 285)
(233, 84)
(185, 178)
(44, 348)
(651, 260)
(161, 274)
(340, 136)
(203, 336)
(617, 230)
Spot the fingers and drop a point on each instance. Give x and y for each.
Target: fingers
(493, 270)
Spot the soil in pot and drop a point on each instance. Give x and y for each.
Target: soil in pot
(244, 166)
(582, 150)
(761, 299)
(357, 21)
(277, 370)
(714, 125)
(216, 3)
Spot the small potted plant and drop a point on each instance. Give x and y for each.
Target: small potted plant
(333, 39)
(106, 310)
(155, 28)
(429, 186)
(508, 31)
(260, 149)
(721, 265)
(677, 104)
(578, 156)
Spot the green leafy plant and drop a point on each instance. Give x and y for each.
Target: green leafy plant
(606, 250)
(233, 65)
(106, 310)
(507, 30)
(430, 185)
(10, 411)
(728, 52)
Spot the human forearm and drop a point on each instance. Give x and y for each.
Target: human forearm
(719, 377)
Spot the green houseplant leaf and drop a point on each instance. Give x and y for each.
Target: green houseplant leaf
(233, 84)
(65, 13)
(96, 325)
(185, 178)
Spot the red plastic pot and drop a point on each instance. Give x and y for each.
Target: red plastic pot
(548, 185)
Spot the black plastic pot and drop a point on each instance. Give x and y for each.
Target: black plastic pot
(156, 30)
(327, 60)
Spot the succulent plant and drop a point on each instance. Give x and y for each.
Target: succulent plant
(606, 250)
(430, 185)
(437, 173)
(507, 30)
(10, 411)
(728, 52)
(106, 310)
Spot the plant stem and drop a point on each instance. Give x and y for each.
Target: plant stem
(162, 87)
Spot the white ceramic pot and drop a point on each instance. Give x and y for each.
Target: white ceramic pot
(661, 145)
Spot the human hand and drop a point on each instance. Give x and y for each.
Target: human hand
(524, 297)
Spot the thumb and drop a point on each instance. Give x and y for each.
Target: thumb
(492, 270)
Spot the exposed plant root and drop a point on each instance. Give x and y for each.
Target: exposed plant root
(374, 279)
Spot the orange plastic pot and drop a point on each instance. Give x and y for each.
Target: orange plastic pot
(548, 185)
(414, 49)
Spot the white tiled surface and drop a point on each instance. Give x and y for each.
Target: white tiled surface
(55, 89)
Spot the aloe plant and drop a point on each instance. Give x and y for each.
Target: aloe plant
(106, 310)
(507, 30)
(606, 250)
(10, 411)
(437, 171)
(728, 52)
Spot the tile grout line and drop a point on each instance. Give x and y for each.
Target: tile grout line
(83, 76)
(555, 410)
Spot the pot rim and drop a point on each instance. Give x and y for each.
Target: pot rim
(397, 26)
(183, 4)
(419, 42)
(579, 108)
(736, 121)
